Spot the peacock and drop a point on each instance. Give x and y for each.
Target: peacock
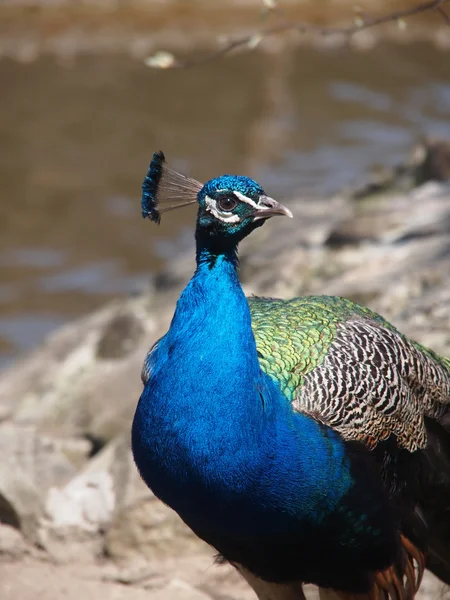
(306, 440)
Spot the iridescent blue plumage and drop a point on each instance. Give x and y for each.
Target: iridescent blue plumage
(150, 187)
(222, 446)
(240, 183)
(234, 429)
(162, 185)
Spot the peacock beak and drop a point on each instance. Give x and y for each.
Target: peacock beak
(268, 207)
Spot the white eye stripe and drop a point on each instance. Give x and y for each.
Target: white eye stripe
(245, 199)
(240, 197)
(211, 206)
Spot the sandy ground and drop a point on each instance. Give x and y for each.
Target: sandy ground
(189, 579)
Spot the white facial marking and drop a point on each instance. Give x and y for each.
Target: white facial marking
(245, 199)
(226, 217)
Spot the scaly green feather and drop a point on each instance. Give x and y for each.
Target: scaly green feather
(293, 336)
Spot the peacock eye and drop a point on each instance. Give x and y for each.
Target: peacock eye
(227, 204)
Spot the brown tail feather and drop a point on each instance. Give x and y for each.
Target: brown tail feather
(392, 585)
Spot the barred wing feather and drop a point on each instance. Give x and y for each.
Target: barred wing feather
(350, 369)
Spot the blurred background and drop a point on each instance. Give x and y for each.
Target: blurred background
(81, 114)
(351, 131)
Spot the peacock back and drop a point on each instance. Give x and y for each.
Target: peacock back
(349, 368)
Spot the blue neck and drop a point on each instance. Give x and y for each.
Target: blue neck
(210, 341)
(212, 433)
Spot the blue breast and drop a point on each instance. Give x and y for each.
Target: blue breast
(213, 436)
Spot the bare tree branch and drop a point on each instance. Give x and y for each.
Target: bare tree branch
(165, 60)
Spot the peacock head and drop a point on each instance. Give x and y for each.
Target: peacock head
(234, 205)
(230, 206)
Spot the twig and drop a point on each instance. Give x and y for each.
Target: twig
(166, 60)
(395, 16)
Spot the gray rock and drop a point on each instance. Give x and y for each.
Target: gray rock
(20, 503)
(97, 492)
(40, 458)
(120, 336)
(432, 589)
(31, 464)
(77, 514)
(76, 384)
(12, 543)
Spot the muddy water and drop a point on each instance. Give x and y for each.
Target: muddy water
(76, 139)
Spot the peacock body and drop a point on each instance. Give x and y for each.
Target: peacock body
(306, 440)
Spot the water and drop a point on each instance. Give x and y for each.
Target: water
(77, 139)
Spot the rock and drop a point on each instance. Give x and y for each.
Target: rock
(69, 544)
(284, 265)
(31, 464)
(86, 503)
(20, 503)
(38, 457)
(120, 336)
(399, 268)
(12, 543)
(432, 588)
(99, 490)
(432, 157)
(109, 396)
(5, 412)
(428, 161)
(77, 385)
(77, 514)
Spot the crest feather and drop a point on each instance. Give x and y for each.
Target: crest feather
(164, 186)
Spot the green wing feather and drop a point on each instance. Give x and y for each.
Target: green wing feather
(294, 336)
(351, 369)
